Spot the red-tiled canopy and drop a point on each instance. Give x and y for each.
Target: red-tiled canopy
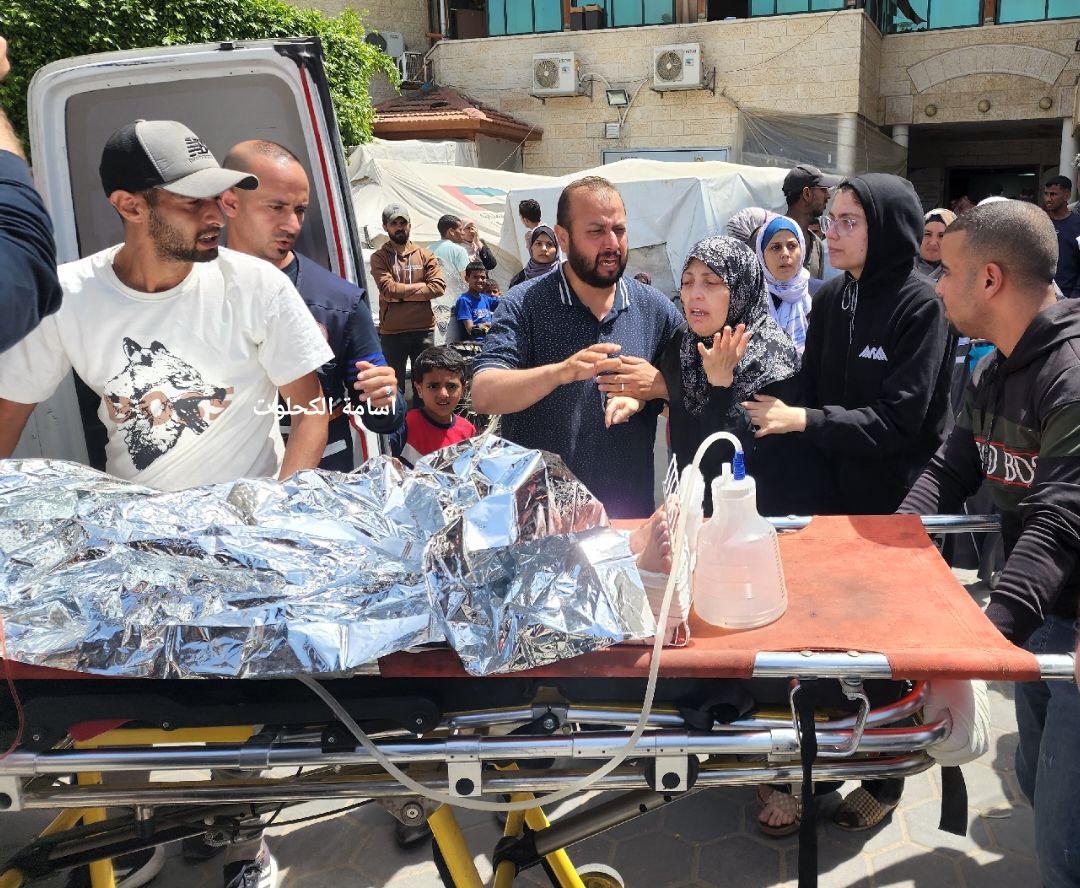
(447, 114)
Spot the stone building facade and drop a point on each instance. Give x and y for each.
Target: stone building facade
(408, 17)
(987, 98)
(799, 64)
(960, 100)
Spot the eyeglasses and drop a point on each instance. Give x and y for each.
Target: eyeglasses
(844, 225)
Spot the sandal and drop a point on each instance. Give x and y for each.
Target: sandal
(860, 811)
(786, 804)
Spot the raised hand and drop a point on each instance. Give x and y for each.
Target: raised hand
(727, 350)
(377, 385)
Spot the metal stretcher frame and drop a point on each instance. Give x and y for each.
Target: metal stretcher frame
(468, 753)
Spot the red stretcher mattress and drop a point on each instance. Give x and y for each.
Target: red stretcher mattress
(873, 584)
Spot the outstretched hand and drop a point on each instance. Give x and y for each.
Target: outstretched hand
(635, 377)
(727, 350)
(771, 416)
(590, 362)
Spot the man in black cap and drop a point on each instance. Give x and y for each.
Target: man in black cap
(807, 191)
(187, 345)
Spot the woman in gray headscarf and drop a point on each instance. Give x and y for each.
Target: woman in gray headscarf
(729, 347)
(745, 223)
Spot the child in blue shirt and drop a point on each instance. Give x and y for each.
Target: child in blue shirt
(474, 308)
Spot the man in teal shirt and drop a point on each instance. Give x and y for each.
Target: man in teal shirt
(453, 260)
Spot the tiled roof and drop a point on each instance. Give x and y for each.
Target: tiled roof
(446, 114)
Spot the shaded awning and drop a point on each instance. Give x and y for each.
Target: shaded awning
(447, 114)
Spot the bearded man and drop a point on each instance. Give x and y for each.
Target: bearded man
(561, 343)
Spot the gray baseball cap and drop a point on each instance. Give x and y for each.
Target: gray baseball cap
(165, 154)
(395, 211)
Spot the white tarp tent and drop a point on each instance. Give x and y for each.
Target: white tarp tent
(670, 206)
(433, 190)
(451, 152)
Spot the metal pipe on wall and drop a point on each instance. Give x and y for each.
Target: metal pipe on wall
(1070, 147)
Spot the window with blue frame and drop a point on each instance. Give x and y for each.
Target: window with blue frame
(930, 15)
(787, 7)
(1036, 10)
(631, 13)
(523, 16)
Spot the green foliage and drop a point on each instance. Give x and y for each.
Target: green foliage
(42, 31)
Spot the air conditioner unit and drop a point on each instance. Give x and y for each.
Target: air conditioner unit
(390, 42)
(411, 67)
(554, 74)
(677, 67)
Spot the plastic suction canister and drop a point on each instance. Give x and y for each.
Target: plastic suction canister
(738, 580)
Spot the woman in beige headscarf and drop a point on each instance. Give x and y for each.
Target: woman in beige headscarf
(478, 251)
(928, 261)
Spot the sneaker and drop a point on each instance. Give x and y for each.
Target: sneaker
(130, 870)
(195, 849)
(139, 867)
(259, 873)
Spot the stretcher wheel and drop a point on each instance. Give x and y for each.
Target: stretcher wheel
(596, 875)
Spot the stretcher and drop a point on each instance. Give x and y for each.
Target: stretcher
(870, 602)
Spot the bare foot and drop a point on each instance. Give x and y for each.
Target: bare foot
(640, 537)
(779, 811)
(652, 545)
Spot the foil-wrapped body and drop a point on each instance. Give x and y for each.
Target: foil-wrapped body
(493, 548)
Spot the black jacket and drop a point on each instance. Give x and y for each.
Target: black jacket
(1020, 429)
(876, 368)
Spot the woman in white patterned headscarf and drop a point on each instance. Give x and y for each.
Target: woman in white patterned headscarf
(780, 249)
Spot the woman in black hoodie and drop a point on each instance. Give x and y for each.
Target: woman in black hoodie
(875, 379)
(875, 372)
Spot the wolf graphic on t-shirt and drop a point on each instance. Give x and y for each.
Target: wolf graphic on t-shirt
(156, 397)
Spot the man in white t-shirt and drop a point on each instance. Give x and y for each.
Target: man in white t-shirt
(186, 344)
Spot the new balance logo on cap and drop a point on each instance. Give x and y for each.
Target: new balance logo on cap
(874, 353)
(195, 147)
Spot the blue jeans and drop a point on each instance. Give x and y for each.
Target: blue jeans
(1048, 758)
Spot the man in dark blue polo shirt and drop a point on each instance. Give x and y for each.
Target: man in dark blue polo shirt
(29, 289)
(559, 344)
(265, 222)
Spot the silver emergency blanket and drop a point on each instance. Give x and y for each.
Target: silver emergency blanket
(495, 548)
